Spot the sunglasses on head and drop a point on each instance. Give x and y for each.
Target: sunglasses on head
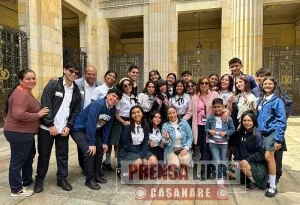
(204, 83)
(73, 71)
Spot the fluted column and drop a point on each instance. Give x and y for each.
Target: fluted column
(246, 33)
(160, 37)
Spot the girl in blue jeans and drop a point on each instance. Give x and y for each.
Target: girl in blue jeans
(218, 133)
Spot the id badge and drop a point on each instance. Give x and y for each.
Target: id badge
(203, 119)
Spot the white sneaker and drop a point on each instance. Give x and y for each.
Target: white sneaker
(22, 193)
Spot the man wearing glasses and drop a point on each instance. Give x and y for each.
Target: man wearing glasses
(63, 98)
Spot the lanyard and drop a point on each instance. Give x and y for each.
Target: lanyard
(204, 103)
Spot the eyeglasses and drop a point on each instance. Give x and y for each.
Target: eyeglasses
(73, 71)
(190, 86)
(204, 83)
(127, 85)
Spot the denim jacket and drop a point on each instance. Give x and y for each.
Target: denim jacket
(272, 118)
(186, 134)
(228, 127)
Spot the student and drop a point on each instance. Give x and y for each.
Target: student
(213, 82)
(134, 143)
(180, 99)
(161, 101)
(133, 75)
(171, 78)
(110, 78)
(243, 96)
(91, 133)
(235, 66)
(191, 88)
(272, 124)
(146, 100)
(23, 113)
(63, 99)
(178, 141)
(154, 76)
(219, 133)
(122, 114)
(261, 74)
(250, 153)
(156, 146)
(186, 76)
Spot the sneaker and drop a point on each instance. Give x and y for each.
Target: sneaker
(251, 186)
(271, 194)
(22, 193)
(107, 167)
(26, 186)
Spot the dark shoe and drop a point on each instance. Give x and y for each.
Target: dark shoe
(251, 186)
(119, 173)
(38, 186)
(107, 167)
(84, 173)
(100, 179)
(64, 185)
(270, 194)
(92, 185)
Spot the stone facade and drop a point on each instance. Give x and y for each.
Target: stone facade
(239, 33)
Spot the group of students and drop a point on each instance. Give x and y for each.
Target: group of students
(231, 118)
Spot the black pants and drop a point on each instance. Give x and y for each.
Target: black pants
(92, 164)
(204, 147)
(22, 149)
(45, 144)
(278, 158)
(80, 158)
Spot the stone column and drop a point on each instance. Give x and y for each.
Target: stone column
(225, 38)
(160, 37)
(246, 33)
(42, 20)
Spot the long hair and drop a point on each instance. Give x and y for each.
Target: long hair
(21, 76)
(154, 71)
(146, 86)
(174, 75)
(132, 122)
(152, 115)
(216, 76)
(111, 71)
(230, 87)
(247, 87)
(174, 88)
(120, 85)
(242, 128)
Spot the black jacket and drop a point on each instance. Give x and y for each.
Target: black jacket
(52, 100)
(127, 146)
(250, 148)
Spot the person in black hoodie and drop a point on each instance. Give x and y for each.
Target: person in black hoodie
(63, 99)
(250, 153)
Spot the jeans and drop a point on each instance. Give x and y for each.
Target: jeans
(22, 148)
(218, 152)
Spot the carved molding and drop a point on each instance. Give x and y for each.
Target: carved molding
(88, 2)
(120, 3)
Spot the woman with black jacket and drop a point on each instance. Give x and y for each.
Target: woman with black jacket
(250, 153)
(134, 150)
